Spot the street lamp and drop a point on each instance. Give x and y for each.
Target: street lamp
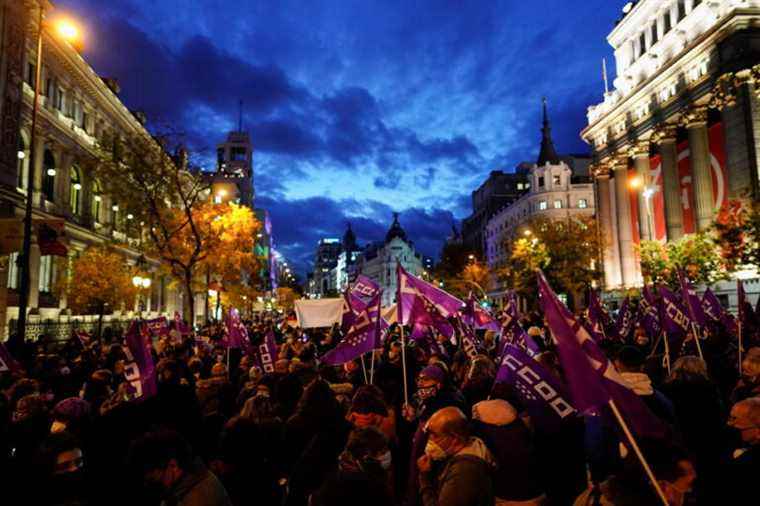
(67, 31)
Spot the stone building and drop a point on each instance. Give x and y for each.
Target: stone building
(682, 123)
(233, 179)
(379, 260)
(76, 108)
(556, 191)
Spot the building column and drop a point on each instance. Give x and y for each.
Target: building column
(640, 155)
(734, 95)
(628, 263)
(671, 186)
(701, 170)
(34, 278)
(39, 154)
(608, 239)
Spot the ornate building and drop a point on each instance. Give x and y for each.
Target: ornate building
(379, 260)
(76, 108)
(556, 191)
(682, 123)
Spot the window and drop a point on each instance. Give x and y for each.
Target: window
(116, 216)
(31, 74)
(59, 99)
(582, 203)
(22, 163)
(75, 190)
(97, 203)
(48, 176)
(642, 44)
(219, 156)
(238, 154)
(83, 124)
(655, 36)
(47, 274)
(557, 204)
(540, 181)
(681, 9)
(667, 22)
(557, 180)
(542, 205)
(14, 272)
(49, 87)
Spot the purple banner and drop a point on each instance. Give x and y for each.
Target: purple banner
(362, 337)
(139, 369)
(421, 303)
(265, 354)
(674, 317)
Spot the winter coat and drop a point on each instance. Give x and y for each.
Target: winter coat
(740, 476)
(465, 480)
(657, 403)
(510, 441)
(199, 487)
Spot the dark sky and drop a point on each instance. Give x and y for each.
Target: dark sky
(358, 108)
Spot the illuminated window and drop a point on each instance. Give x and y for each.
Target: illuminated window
(582, 203)
(47, 274)
(13, 271)
(48, 175)
(542, 205)
(557, 204)
(75, 190)
(97, 203)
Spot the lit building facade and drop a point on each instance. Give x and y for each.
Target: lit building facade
(379, 260)
(76, 109)
(682, 122)
(233, 179)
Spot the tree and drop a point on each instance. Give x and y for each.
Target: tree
(697, 255)
(286, 298)
(737, 234)
(567, 250)
(98, 281)
(453, 272)
(162, 198)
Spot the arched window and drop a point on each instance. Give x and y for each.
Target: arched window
(97, 203)
(48, 175)
(23, 163)
(75, 191)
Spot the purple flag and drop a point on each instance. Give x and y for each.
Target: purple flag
(237, 334)
(158, 327)
(714, 310)
(364, 289)
(691, 300)
(180, 325)
(139, 370)
(361, 338)
(541, 393)
(7, 362)
(470, 343)
(265, 354)
(674, 317)
(477, 317)
(648, 314)
(592, 379)
(597, 317)
(625, 320)
(512, 332)
(420, 302)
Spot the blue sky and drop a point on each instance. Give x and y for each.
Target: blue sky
(359, 108)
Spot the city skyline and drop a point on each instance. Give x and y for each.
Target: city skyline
(356, 112)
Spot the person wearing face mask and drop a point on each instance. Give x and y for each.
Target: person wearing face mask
(465, 476)
(367, 452)
(749, 384)
(168, 466)
(66, 478)
(743, 466)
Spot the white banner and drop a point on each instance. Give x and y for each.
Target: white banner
(312, 313)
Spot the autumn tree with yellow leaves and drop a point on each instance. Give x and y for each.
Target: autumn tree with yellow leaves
(98, 281)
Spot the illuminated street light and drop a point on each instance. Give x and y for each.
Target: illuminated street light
(21, 155)
(635, 183)
(527, 232)
(67, 30)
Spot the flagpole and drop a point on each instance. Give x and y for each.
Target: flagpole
(696, 335)
(739, 335)
(372, 368)
(637, 450)
(403, 363)
(364, 369)
(667, 350)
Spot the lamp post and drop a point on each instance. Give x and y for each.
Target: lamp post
(141, 283)
(68, 32)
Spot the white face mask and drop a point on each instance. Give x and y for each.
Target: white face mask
(385, 460)
(57, 427)
(434, 451)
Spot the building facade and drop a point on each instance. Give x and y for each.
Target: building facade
(499, 190)
(378, 261)
(682, 122)
(555, 192)
(233, 179)
(76, 109)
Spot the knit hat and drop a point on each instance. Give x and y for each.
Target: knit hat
(72, 408)
(494, 412)
(434, 372)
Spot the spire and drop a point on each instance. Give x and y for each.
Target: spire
(548, 152)
(395, 230)
(349, 239)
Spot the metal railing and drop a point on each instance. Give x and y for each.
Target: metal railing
(56, 331)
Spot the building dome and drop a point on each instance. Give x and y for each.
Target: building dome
(395, 231)
(349, 240)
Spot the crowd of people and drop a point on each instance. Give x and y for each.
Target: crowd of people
(221, 431)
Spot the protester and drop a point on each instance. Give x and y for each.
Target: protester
(466, 475)
(743, 466)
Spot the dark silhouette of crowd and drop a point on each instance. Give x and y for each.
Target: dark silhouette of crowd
(221, 431)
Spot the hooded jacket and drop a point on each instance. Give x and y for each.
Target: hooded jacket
(517, 476)
(466, 479)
